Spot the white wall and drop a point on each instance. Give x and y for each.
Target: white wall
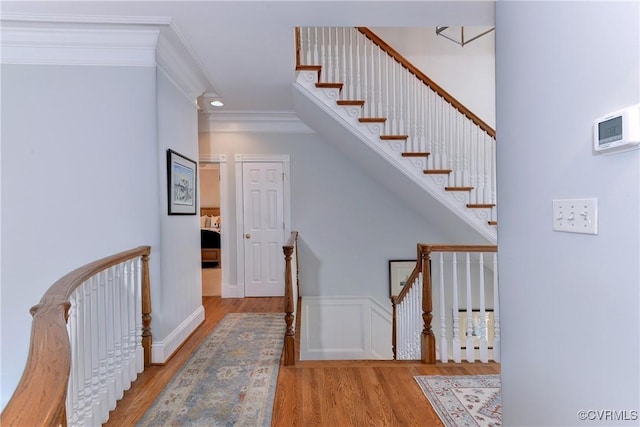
(570, 302)
(349, 225)
(467, 73)
(79, 182)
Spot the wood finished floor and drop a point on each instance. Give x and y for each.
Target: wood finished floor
(332, 394)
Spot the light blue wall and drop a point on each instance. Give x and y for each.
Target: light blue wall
(179, 294)
(78, 182)
(569, 302)
(349, 224)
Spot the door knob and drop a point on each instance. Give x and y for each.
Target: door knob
(247, 236)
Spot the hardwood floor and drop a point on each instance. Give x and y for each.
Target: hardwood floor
(336, 393)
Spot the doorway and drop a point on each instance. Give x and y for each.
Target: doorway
(263, 222)
(210, 228)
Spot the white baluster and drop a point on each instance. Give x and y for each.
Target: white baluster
(117, 330)
(86, 355)
(137, 317)
(79, 353)
(484, 352)
(316, 53)
(101, 298)
(402, 339)
(444, 351)
(379, 109)
(344, 64)
(330, 77)
(496, 311)
(487, 169)
(473, 171)
(94, 350)
(111, 382)
(72, 389)
(455, 309)
(469, 341)
(401, 100)
(131, 319)
(365, 79)
(427, 126)
(359, 91)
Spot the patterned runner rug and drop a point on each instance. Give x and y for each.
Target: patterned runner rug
(229, 380)
(463, 401)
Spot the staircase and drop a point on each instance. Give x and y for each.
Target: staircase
(357, 92)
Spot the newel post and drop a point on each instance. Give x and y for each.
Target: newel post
(146, 310)
(428, 342)
(289, 337)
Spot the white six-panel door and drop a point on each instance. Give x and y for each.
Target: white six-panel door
(264, 228)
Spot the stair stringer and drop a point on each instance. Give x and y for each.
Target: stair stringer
(368, 135)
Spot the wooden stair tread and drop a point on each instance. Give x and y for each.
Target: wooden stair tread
(308, 67)
(458, 188)
(436, 171)
(493, 222)
(330, 85)
(480, 205)
(351, 102)
(425, 154)
(393, 137)
(372, 119)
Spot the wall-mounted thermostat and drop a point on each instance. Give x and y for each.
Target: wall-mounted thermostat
(618, 130)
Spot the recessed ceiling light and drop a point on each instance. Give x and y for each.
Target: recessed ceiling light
(217, 103)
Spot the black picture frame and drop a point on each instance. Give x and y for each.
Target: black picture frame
(182, 184)
(399, 272)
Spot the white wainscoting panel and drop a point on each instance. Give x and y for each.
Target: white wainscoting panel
(161, 351)
(344, 328)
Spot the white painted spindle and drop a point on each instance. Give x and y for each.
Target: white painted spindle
(496, 311)
(444, 351)
(484, 352)
(470, 352)
(457, 357)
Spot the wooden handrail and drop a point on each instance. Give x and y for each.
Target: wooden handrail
(426, 80)
(39, 398)
(289, 338)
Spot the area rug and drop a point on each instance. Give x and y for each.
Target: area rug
(464, 401)
(229, 380)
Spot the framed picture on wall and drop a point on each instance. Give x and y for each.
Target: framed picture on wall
(181, 184)
(399, 272)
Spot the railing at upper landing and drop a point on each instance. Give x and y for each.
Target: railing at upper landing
(90, 337)
(459, 278)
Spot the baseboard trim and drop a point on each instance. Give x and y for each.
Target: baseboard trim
(162, 351)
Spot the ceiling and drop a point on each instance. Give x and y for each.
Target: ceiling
(246, 47)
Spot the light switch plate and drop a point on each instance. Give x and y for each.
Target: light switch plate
(576, 215)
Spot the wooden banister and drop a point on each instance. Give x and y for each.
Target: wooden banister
(427, 81)
(423, 265)
(39, 398)
(289, 308)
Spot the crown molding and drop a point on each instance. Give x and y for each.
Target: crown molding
(252, 122)
(78, 46)
(37, 39)
(178, 60)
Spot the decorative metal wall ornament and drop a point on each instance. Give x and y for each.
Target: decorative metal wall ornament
(440, 31)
